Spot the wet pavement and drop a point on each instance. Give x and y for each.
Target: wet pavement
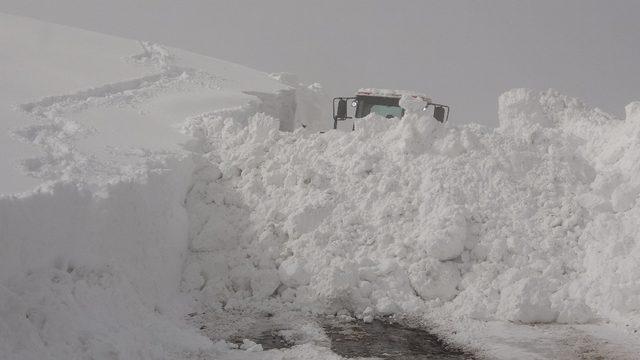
(271, 339)
(387, 340)
(357, 339)
(345, 335)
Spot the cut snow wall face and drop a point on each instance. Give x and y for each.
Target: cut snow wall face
(313, 106)
(137, 227)
(96, 275)
(280, 105)
(300, 106)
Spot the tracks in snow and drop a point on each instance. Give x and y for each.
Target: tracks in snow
(56, 134)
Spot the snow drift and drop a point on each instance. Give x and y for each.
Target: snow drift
(141, 183)
(93, 229)
(531, 222)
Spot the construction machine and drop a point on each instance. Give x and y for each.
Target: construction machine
(384, 103)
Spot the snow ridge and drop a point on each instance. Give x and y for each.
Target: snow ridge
(415, 217)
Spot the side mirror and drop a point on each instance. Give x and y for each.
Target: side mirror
(342, 109)
(439, 113)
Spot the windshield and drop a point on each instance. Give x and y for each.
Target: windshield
(383, 106)
(387, 111)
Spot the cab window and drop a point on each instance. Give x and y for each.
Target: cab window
(383, 106)
(387, 111)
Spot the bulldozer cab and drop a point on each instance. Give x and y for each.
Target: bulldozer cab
(381, 102)
(383, 106)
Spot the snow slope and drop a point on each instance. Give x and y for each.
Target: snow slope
(93, 230)
(141, 183)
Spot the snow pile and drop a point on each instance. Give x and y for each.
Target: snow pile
(414, 216)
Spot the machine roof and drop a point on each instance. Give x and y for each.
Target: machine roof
(391, 93)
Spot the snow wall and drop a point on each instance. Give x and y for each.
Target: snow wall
(535, 221)
(95, 274)
(128, 223)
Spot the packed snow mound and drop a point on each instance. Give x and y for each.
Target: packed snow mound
(532, 222)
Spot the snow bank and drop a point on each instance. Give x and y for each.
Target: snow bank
(532, 222)
(67, 226)
(95, 171)
(94, 275)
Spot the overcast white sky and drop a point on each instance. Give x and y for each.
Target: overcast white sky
(462, 53)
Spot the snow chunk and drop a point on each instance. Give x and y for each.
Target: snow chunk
(433, 279)
(624, 197)
(250, 346)
(367, 315)
(528, 301)
(447, 233)
(264, 283)
(292, 273)
(520, 110)
(412, 104)
(632, 110)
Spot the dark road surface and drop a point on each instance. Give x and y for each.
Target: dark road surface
(378, 339)
(387, 340)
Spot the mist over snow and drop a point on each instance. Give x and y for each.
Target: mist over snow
(463, 53)
(141, 184)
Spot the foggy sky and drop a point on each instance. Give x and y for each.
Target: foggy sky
(461, 53)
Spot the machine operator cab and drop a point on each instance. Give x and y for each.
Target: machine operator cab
(382, 102)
